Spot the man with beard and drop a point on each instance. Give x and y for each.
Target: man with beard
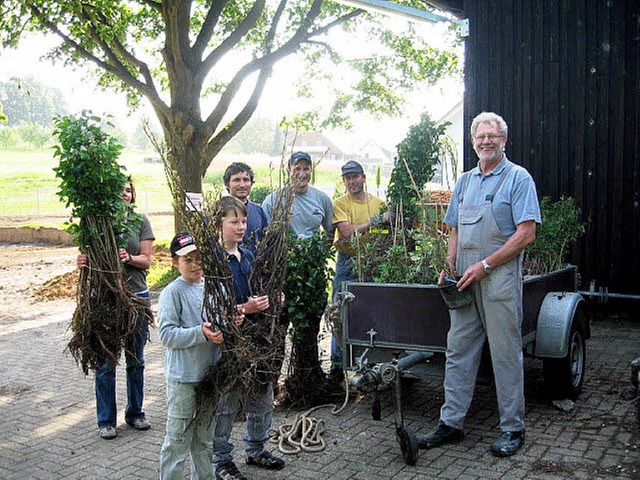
(353, 215)
(238, 180)
(493, 212)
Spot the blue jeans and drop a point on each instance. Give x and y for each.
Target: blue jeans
(105, 381)
(344, 273)
(258, 403)
(187, 435)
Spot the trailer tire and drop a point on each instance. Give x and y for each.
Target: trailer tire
(408, 445)
(563, 377)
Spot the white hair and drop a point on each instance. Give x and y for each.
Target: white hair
(489, 117)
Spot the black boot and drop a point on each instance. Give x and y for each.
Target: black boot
(508, 443)
(441, 435)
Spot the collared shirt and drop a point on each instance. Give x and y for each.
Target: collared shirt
(256, 224)
(515, 202)
(241, 270)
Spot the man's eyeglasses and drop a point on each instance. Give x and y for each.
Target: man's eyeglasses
(491, 137)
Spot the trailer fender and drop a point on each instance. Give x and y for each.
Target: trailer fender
(554, 324)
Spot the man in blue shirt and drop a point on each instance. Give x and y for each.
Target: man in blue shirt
(238, 180)
(493, 214)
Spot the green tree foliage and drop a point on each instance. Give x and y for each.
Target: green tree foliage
(260, 135)
(90, 178)
(29, 101)
(139, 137)
(413, 248)
(418, 155)
(305, 292)
(34, 134)
(260, 192)
(174, 53)
(8, 136)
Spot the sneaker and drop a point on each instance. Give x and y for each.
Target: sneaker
(108, 433)
(139, 424)
(266, 460)
(229, 471)
(508, 443)
(441, 435)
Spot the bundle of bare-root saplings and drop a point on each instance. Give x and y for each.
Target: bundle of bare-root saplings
(91, 182)
(253, 353)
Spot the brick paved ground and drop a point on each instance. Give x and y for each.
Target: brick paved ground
(48, 428)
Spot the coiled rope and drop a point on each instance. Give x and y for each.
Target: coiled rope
(304, 434)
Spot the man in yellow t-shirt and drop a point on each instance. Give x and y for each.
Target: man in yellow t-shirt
(356, 211)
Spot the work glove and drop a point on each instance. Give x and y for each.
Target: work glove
(383, 218)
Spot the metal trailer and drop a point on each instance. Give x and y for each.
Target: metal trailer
(395, 331)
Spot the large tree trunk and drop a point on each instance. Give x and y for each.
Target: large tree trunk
(187, 157)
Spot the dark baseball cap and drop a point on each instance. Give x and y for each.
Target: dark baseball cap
(352, 167)
(297, 156)
(182, 244)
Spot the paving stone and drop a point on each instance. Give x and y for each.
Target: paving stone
(47, 409)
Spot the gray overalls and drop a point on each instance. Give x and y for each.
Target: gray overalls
(496, 314)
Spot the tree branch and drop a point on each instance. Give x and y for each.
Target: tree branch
(118, 47)
(274, 26)
(120, 72)
(210, 22)
(336, 22)
(157, 6)
(172, 51)
(262, 63)
(232, 40)
(222, 138)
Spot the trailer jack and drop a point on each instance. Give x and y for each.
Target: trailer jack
(374, 378)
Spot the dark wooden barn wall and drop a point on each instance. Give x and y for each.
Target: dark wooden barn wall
(565, 76)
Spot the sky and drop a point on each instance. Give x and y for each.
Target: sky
(278, 100)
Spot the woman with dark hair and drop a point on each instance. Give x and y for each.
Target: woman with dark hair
(136, 257)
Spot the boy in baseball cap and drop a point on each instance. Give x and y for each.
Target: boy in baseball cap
(192, 347)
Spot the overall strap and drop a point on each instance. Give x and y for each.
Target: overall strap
(503, 176)
(464, 181)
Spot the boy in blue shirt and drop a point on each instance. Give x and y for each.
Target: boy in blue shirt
(258, 401)
(192, 346)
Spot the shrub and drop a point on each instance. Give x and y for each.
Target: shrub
(260, 192)
(559, 230)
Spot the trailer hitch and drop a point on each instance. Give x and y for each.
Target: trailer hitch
(378, 377)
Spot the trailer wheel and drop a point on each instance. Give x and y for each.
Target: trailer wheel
(563, 377)
(408, 445)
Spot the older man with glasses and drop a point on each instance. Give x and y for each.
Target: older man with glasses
(493, 213)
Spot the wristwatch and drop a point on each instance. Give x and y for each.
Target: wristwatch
(487, 268)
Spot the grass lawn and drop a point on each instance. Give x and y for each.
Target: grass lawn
(28, 185)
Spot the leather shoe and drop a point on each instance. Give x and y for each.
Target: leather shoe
(508, 443)
(441, 435)
(139, 423)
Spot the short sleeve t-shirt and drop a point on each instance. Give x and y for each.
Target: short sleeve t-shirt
(346, 209)
(136, 278)
(311, 210)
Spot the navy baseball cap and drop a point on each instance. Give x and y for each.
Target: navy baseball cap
(297, 156)
(182, 244)
(352, 167)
